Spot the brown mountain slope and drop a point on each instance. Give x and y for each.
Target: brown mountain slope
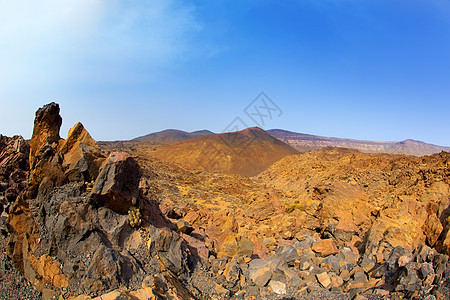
(306, 142)
(247, 152)
(171, 136)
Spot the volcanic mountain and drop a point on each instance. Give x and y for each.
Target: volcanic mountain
(247, 152)
(306, 142)
(171, 136)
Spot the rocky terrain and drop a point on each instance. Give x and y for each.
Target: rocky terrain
(247, 152)
(88, 220)
(307, 142)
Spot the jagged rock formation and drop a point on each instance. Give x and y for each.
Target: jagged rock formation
(46, 129)
(69, 230)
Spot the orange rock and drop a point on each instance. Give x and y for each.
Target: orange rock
(235, 246)
(46, 128)
(77, 134)
(231, 224)
(432, 229)
(325, 247)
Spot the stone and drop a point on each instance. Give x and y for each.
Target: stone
(220, 290)
(277, 287)
(346, 255)
(231, 224)
(359, 281)
(324, 279)
(325, 247)
(368, 264)
(404, 260)
(432, 229)
(288, 254)
(117, 185)
(304, 244)
(446, 244)
(381, 292)
(269, 241)
(336, 281)
(184, 226)
(394, 256)
(425, 270)
(47, 123)
(50, 270)
(167, 246)
(260, 272)
(409, 280)
(330, 263)
(232, 271)
(305, 261)
(235, 246)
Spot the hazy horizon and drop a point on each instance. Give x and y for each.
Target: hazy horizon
(375, 71)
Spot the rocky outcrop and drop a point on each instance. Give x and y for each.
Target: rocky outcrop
(14, 168)
(69, 230)
(82, 156)
(46, 129)
(117, 185)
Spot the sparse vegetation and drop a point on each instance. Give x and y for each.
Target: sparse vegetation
(291, 208)
(134, 217)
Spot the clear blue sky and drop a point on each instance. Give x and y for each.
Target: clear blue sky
(363, 69)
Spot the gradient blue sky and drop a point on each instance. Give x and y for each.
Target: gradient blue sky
(363, 69)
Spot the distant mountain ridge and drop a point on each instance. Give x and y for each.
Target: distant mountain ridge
(172, 136)
(306, 142)
(246, 152)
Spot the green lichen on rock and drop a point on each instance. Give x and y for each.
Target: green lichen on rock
(134, 217)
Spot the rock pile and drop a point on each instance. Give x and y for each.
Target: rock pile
(308, 268)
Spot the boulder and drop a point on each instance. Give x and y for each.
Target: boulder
(166, 245)
(117, 185)
(277, 287)
(324, 279)
(325, 247)
(330, 263)
(235, 246)
(432, 229)
(232, 271)
(184, 226)
(260, 272)
(288, 254)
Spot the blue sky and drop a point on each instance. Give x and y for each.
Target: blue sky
(375, 70)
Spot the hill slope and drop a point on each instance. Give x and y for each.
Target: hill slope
(172, 136)
(306, 142)
(247, 152)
